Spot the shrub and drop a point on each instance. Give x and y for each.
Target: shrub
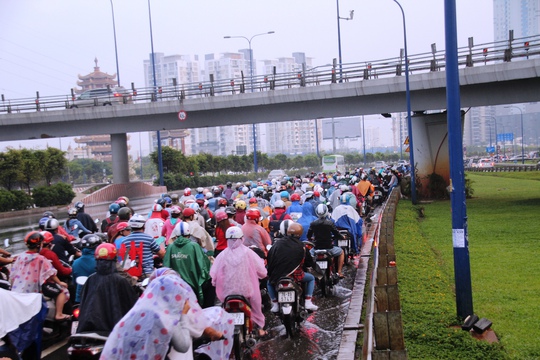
(7, 200)
(57, 194)
(22, 200)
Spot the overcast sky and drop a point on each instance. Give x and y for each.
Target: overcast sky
(44, 45)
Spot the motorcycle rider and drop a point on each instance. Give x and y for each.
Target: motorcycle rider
(124, 214)
(188, 259)
(86, 264)
(138, 237)
(112, 219)
(288, 257)
(86, 219)
(171, 222)
(324, 230)
(73, 226)
(198, 233)
(61, 245)
(63, 269)
(223, 224)
(106, 296)
(346, 217)
(154, 224)
(253, 233)
(237, 272)
(33, 273)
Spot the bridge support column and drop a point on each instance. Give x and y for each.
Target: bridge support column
(120, 164)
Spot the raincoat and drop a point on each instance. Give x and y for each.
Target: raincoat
(157, 318)
(347, 218)
(254, 234)
(236, 271)
(308, 216)
(29, 272)
(295, 210)
(284, 257)
(188, 259)
(105, 298)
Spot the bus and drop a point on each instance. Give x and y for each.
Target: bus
(333, 163)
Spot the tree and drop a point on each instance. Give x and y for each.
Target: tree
(30, 169)
(53, 164)
(10, 164)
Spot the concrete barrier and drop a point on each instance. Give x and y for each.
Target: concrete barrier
(132, 190)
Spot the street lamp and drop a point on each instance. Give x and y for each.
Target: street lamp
(408, 99)
(339, 37)
(521, 116)
(154, 98)
(115, 47)
(255, 165)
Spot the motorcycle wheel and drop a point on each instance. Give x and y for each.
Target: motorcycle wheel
(237, 347)
(326, 286)
(290, 324)
(345, 256)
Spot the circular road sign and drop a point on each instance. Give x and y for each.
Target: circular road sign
(182, 115)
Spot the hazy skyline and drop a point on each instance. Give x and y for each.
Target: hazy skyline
(44, 45)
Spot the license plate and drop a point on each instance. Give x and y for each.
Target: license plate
(286, 296)
(343, 243)
(238, 318)
(322, 264)
(74, 326)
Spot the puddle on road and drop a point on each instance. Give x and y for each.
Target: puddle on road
(320, 334)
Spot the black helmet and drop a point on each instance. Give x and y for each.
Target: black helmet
(229, 210)
(79, 205)
(124, 213)
(91, 241)
(49, 214)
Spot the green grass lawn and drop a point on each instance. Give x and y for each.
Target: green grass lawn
(504, 240)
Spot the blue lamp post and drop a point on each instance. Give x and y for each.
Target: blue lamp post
(255, 165)
(408, 99)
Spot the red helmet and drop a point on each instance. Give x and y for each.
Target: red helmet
(222, 202)
(188, 212)
(33, 239)
(220, 215)
(253, 214)
(253, 200)
(187, 192)
(316, 194)
(295, 197)
(47, 237)
(106, 252)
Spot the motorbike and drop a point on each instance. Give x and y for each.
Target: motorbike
(330, 278)
(291, 305)
(243, 338)
(345, 245)
(378, 195)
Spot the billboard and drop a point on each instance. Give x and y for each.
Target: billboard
(344, 128)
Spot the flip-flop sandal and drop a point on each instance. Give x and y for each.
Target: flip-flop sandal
(63, 319)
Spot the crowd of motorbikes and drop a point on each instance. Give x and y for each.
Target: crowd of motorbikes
(292, 312)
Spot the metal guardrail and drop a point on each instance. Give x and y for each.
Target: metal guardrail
(505, 168)
(482, 54)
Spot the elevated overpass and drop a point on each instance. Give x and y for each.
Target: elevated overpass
(487, 77)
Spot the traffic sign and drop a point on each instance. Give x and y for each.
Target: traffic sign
(490, 149)
(182, 115)
(407, 149)
(406, 141)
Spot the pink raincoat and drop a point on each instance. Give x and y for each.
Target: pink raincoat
(236, 271)
(29, 272)
(255, 234)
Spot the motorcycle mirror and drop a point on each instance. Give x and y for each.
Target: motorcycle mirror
(133, 263)
(268, 247)
(81, 280)
(6, 243)
(71, 258)
(96, 221)
(145, 282)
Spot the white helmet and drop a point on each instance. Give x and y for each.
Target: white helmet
(181, 229)
(321, 210)
(200, 190)
(194, 206)
(208, 195)
(279, 204)
(157, 208)
(137, 221)
(234, 232)
(344, 187)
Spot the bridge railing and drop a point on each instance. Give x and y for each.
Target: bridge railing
(469, 56)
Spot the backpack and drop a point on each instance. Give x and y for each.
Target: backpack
(274, 223)
(110, 222)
